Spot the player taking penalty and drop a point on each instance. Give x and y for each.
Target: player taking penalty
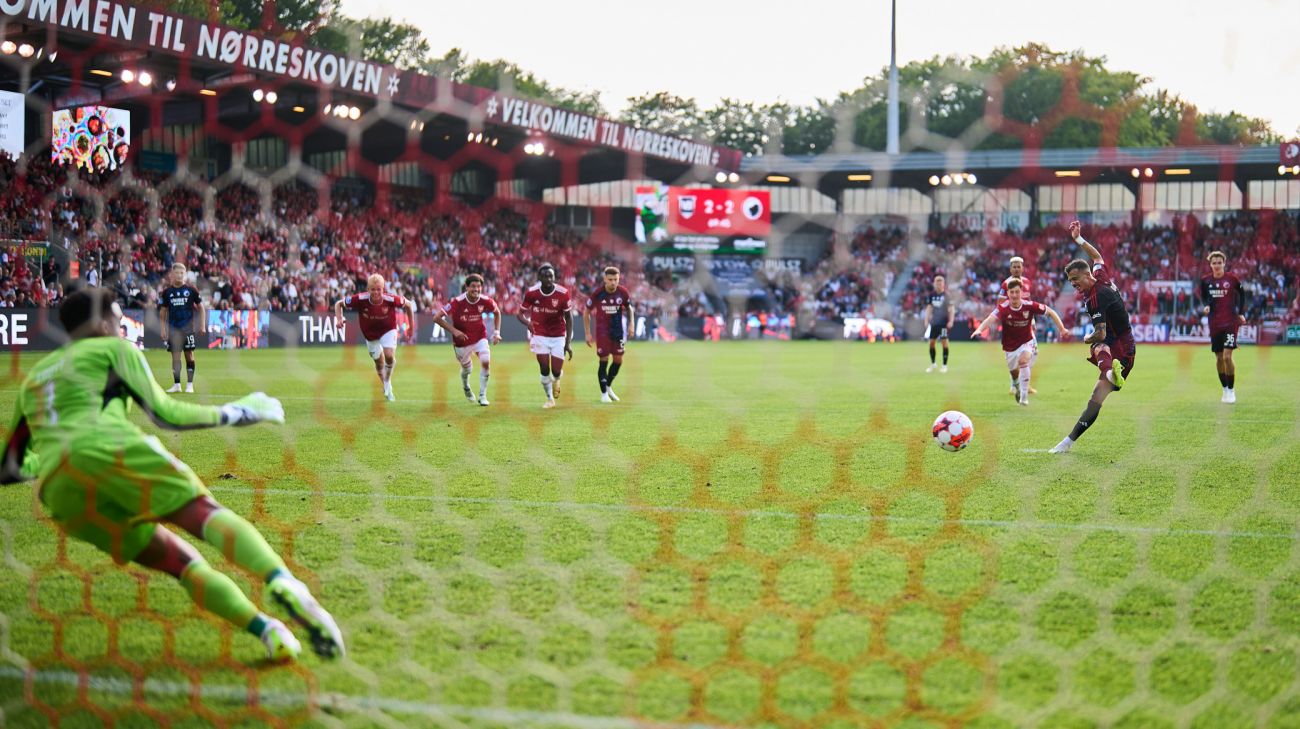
(547, 313)
(1223, 300)
(180, 309)
(462, 317)
(378, 317)
(608, 305)
(105, 482)
(1017, 315)
(1111, 347)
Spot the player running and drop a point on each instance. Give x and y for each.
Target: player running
(1016, 269)
(179, 310)
(462, 317)
(105, 482)
(1111, 341)
(938, 309)
(378, 318)
(1224, 301)
(547, 313)
(608, 305)
(1017, 315)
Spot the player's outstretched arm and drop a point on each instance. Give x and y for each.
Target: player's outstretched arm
(1060, 325)
(131, 372)
(1076, 228)
(987, 323)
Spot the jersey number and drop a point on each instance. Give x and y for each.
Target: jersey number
(51, 415)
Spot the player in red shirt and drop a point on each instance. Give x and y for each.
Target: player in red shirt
(1017, 270)
(1017, 315)
(1223, 300)
(1111, 346)
(547, 313)
(608, 305)
(462, 317)
(378, 318)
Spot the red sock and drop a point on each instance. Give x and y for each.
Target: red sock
(1104, 359)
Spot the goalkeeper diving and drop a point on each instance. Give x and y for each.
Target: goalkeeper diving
(104, 481)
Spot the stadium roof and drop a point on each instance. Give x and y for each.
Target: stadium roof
(210, 71)
(1022, 167)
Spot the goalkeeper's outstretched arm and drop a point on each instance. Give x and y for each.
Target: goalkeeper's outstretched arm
(132, 376)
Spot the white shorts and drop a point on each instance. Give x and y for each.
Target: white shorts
(1013, 357)
(464, 354)
(376, 347)
(553, 346)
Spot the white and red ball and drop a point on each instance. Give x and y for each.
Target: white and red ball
(953, 430)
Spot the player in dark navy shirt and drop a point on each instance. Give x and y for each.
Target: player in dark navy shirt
(181, 311)
(938, 319)
(1111, 345)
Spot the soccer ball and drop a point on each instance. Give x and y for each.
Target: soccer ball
(953, 430)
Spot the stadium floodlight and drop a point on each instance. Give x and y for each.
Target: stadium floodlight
(128, 76)
(257, 95)
(328, 108)
(478, 138)
(946, 179)
(1281, 169)
(1136, 172)
(26, 50)
(354, 113)
(970, 177)
(721, 177)
(1148, 172)
(470, 137)
(54, 56)
(299, 109)
(733, 178)
(272, 97)
(864, 178)
(8, 47)
(145, 78)
(1295, 169)
(934, 179)
(171, 84)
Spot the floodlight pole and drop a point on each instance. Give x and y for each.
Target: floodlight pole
(891, 138)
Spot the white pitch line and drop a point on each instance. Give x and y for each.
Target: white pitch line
(829, 516)
(341, 702)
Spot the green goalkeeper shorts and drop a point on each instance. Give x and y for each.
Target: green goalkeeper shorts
(111, 498)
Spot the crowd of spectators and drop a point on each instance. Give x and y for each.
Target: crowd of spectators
(299, 247)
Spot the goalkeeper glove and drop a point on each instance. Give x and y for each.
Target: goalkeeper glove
(251, 409)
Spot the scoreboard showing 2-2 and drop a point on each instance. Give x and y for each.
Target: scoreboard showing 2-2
(740, 218)
(710, 220)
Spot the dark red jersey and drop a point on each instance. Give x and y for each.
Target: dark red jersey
(546, 311)
(467, 316)
(1018, 323)
(1226, 300)
(1105, 306)
(377, 317)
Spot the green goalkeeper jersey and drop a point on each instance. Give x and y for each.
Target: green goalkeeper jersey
(79, 398)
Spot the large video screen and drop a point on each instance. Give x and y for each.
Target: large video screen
(92, 138)
(703, 219)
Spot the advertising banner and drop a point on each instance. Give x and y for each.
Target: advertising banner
(13, 123)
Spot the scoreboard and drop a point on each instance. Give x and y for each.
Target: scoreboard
(704, 219)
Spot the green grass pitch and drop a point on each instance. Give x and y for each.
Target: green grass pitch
(759, 535)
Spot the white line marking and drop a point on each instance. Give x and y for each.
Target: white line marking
(865, 518)
(241, 695)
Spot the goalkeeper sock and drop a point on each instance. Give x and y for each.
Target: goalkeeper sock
(219, 595)
(241, 543)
